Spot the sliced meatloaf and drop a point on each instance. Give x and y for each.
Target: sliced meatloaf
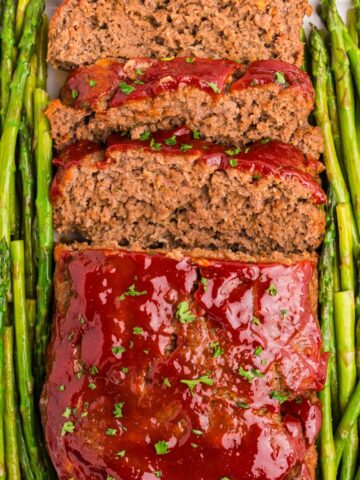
(183, 366)
(225, 101)
(82, 31)
(176, 190)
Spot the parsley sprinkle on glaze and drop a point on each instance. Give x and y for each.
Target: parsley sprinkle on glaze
(121, 454)
(131, 292)
(189, 60)
(272, 290)
(254, 83)
(196, 134)
(233, 152)
(67, 412)
(250, 374)
(278, 396)
(167, 59)
(171, 140)
(213, 87)
(194, 445)
(94, 370)
(233, 162)
(161, 447)
(205, 379)
(138, 331)
(125, 88)
(217, 351)
(280, 78)
(184, 147)
(158, 473)
(255, 321)
(145, 135)
(118, 409)
(92, 386)
(197, 432)
(258, 351)
(138, 72)
(74, 94)
(154, 145)
(109, 477)
(283, 312)
(118, 349)
(68, 427)
(241, 404)
(92, 83)
(183, 313)
(204, 283)
(111, 432)
(139, 82)
(166, 382)
(61, 388)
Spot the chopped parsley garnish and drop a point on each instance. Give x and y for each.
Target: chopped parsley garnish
(255, 321)
(184, 147)
(184, 314)
(224, 478)
(161, 447)
(254, 83)
(109, 477)
(197, 432)
(131, 292)
(154, 145)
(68, 427)
(138, 331)
(138, 71)
(256, 176)
(194, 445)
(277, 396)
(71, 336)
(258, 351)
(280, 78)
(61, 388)
(67, 412)
(158, 473)
(205, 379)
(233, 152)
(121, 453)
(85, 414)
(216, 349)
(196, 134)
(233, 162)
(213, 87)
(171, 140)
(283, 312)
(145, 135)
(118, 409)
(242, 405)
(92, 386)
(249, 374)
(92, 83)
(74, 94)
(111, 432)
(94, 370)
(167, 59)
(247, 149)
(117, 349)
(204, 283)
(189, 60)
(272, 290)
(166, 382)
(124, 369)
(265, 140)
(138, 82)
(125, 88)
(146, 352)
(82, 320)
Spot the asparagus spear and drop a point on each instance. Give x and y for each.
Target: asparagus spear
(23, 359)
(11, 126)
(4, 288)
(28, 203)
(7, 54)
(43, 157)
(20, 15)
(41, 80)
(347, 273)
(12, 452)
(352, 25)
(320, 63)
(357, 9)
(29, 92)
(326, 298)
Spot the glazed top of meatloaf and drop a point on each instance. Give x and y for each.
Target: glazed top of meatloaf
(81, 31)
(182, 367)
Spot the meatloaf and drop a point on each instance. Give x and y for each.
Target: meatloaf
(82, 31)
(183, 366)
(225, 101)
(175, 190)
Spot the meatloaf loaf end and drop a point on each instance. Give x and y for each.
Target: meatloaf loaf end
(225, 101)
(190, 366)
(176, 190)
(82, 31)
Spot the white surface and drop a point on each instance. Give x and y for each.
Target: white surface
(56, 78)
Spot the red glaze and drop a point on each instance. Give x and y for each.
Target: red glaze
(209, 436)
(264, 72)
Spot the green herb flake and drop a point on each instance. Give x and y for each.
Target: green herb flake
(233, 152)
(125, 88)
(242, 405)
(154, 145)
(121, 454)
(94, 370)
(224, 478)
(61, 388)
(82, 320)
(92, 83)
(258, 351)
(111, 432)
(204, 283)
(217, 351)
(278, 396)
(249, 374)
(138, 72)
(247, 149)
(283, 312)
(118, 349)
(139, 82)
(92, 386)
(138, 331)
(74, 94)
(196, 134)
(197, 432)
(171, 140)
(166, 382)
(68, 427)
(161, 447)
(67, 412)
(254, 83)
(184, 314)
(125, 370)
(272, 290)
(85, 414)
(280, 78)
(233, 162)
(255, 321)
(145, 135)
(265, 140)
(194, 445)
(189, 60)
(158, 473)
(131, 292)
(184, 147)
(205, 379)
(71, 336)
(167, 59)
(118, 409)
(213, 87)
(109, 477)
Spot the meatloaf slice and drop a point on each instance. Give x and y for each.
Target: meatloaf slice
(225, 101)
(176, 190)
(194, 367)
(81, 31)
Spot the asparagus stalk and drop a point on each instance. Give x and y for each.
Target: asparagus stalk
(307, 61)
(23, 359)
(7, 54)
(326, 298)
(20, 15)
(29, 92)
(28, 203)
(12, 121)
(347, 273)
(346, 107)
(345, 328)
(12, 452)
(352, 25)
(43, 157)
(357, 9)
(41, 81)
(23, 454)
(4, 288)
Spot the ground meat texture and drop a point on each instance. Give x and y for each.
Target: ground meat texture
(221, 99)
(173, 363)
(173, 190)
